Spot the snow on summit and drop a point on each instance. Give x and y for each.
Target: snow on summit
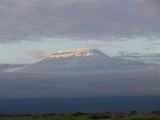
(76, 53)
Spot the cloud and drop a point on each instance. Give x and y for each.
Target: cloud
(38, 54)
(153, 58)
(154, 10)
(96, 45)
(23, 85)
(36, 19)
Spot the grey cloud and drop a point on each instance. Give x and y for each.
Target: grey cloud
(79, 84)
(155, 3)
(154, 11)
(34, 19)
(153, 58)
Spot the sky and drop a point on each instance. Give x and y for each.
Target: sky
(122, 28)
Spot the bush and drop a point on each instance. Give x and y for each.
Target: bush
(100, 116)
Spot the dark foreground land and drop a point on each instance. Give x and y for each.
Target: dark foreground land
(86, 116)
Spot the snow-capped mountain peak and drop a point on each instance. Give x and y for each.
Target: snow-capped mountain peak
(76, 53)
(82, 60)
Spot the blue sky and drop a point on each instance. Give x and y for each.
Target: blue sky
(117, 27)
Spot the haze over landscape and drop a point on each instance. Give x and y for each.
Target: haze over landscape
(79, 48)
(80, 72)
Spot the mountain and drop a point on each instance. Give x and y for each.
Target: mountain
(82, 60)
(10, 67)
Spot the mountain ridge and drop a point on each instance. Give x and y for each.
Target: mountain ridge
(81, 60)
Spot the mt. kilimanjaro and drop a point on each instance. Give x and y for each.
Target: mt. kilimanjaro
(82, 60)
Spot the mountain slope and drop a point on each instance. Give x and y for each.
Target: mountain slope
(10, 67)
(83, 60)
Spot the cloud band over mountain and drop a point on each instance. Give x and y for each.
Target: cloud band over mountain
(79, 84)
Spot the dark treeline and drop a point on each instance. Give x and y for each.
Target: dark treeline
(82, 113)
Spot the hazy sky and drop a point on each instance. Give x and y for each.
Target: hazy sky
(117, 27)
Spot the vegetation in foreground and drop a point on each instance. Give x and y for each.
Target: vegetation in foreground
(86, 116)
